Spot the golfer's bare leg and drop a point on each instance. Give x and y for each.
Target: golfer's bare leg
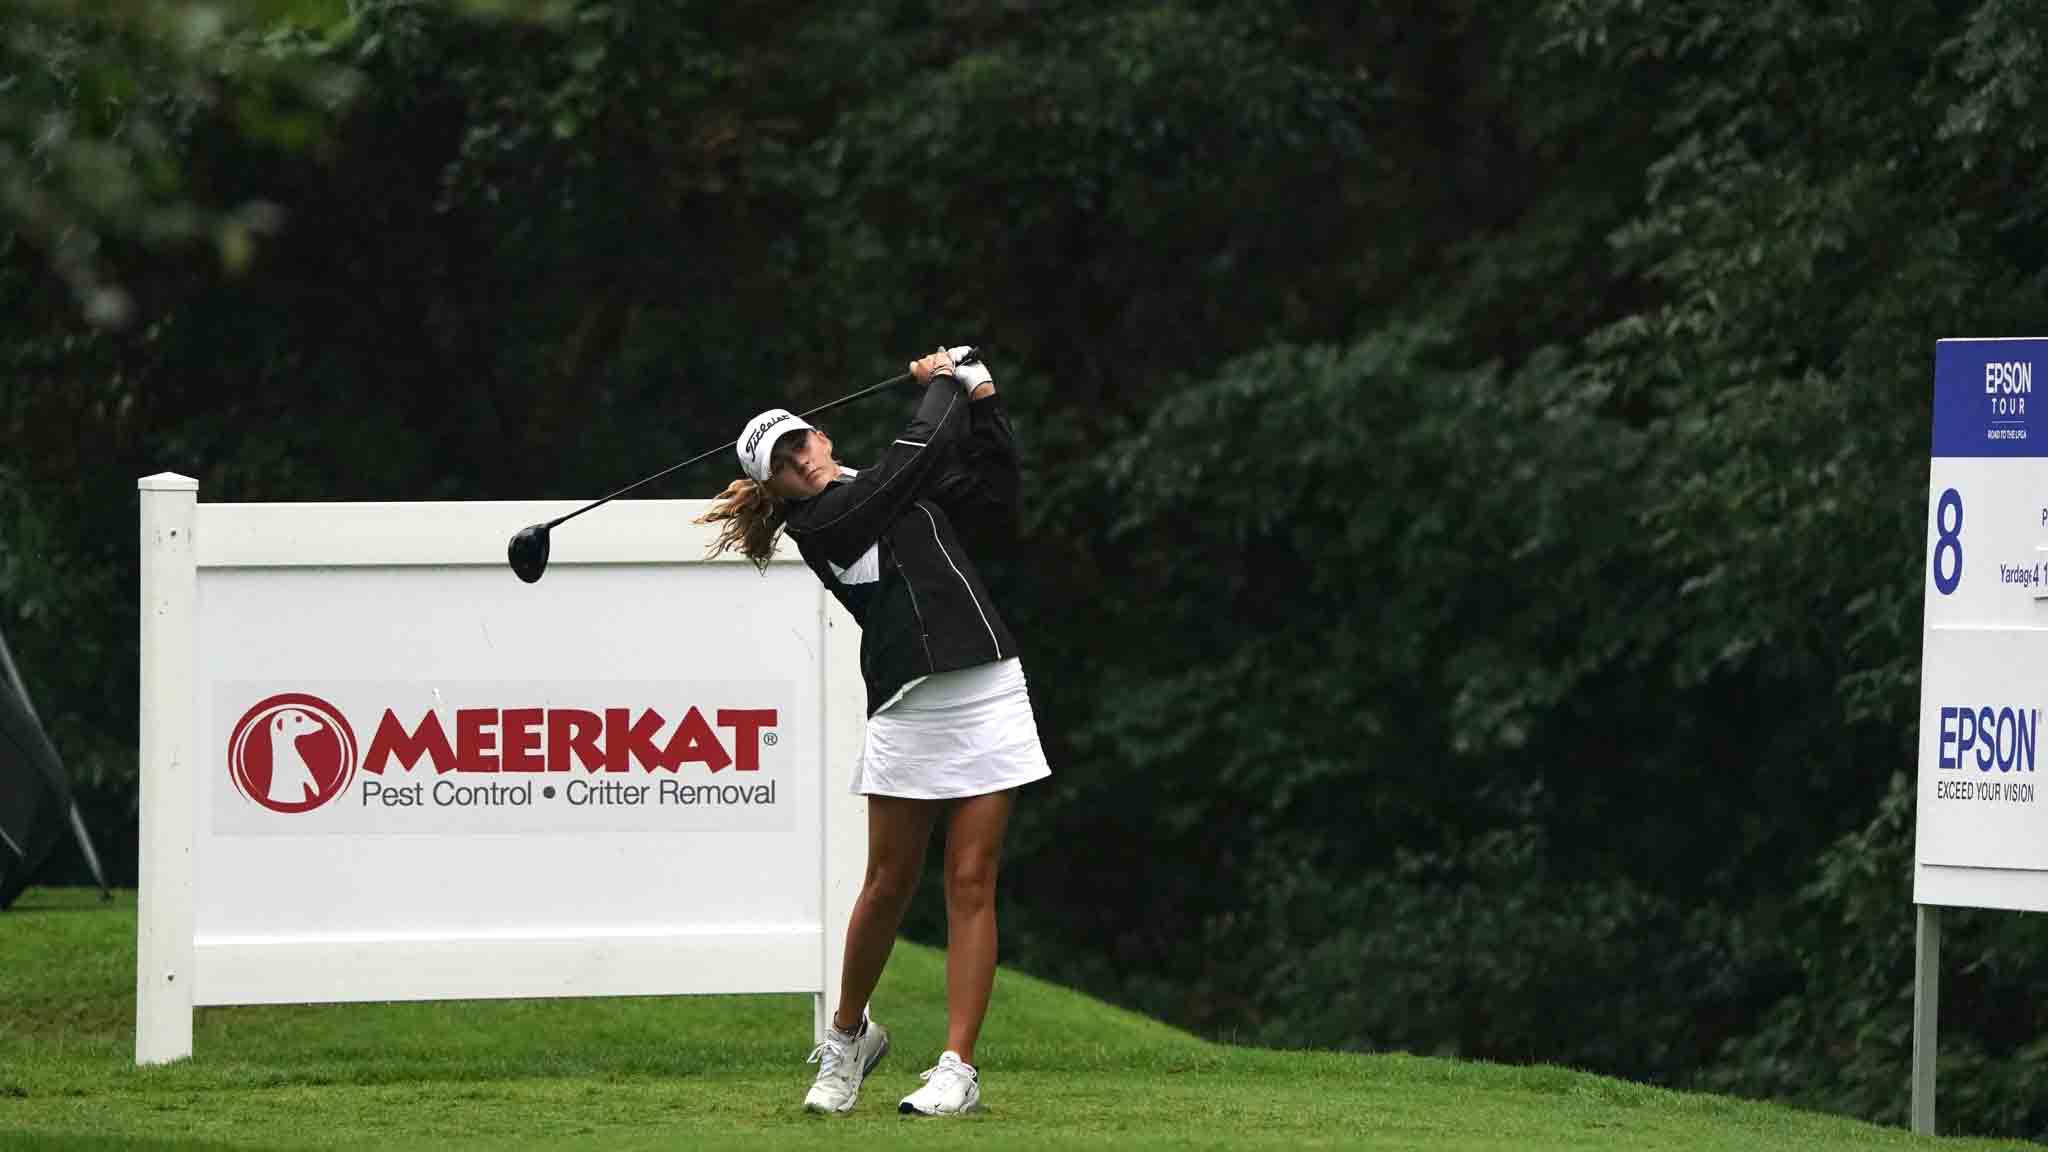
(974, 849)
(898, 831)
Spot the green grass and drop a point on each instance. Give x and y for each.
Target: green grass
(1059, 1071)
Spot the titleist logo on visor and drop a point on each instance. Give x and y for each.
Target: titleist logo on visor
(754, 440)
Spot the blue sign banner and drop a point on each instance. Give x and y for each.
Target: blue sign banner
(1984, 400)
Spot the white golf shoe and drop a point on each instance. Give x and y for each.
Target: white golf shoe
(843, 1062)
(950, 1087)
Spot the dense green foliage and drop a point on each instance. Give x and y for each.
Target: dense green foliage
(1476, 452)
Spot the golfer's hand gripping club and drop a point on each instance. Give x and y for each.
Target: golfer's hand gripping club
(528, 550)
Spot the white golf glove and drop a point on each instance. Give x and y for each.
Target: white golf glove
(970, 376)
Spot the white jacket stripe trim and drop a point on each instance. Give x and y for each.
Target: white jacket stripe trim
(963, 581)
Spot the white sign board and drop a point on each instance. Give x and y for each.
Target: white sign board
(1982, 811)
(377, 766)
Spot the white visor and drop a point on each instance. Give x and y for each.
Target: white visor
(757, 441)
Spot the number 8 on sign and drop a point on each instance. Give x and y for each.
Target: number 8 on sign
(1948, 542)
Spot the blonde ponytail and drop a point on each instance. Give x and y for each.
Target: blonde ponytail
(749, 520)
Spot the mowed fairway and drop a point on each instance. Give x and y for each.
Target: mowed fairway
(1060, 1071)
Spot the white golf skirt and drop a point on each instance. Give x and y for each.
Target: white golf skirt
(968, 732)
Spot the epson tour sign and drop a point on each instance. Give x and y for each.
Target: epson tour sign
(1981, 817)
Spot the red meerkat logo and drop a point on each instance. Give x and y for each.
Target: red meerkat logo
(292, 753)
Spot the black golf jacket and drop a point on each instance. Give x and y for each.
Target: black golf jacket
(893, 542)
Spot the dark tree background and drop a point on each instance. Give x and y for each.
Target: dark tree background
(1476, 452)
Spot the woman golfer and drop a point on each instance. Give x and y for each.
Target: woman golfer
(950, 732)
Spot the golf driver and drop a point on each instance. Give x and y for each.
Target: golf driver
(528, 551)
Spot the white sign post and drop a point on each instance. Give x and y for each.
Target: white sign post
(377, 766)
(1981, 832)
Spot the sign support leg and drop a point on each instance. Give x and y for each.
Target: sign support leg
(843, 814)
(1926, 1010)
(163, 897)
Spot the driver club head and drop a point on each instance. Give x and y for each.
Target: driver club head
(528, 552)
